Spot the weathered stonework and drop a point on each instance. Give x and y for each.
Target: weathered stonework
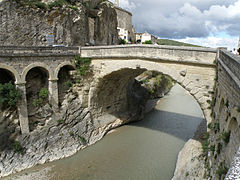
(226, 116)
(197, 62)
(92, 109)
(27, 26)
(124, 19)
(71, 26)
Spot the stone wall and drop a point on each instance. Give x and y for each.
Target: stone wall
(224, 130)
(191, 67)
(83, 115)
(105, 27)
(124, 19)
(21, 25)
(24, 25)
(153, 53)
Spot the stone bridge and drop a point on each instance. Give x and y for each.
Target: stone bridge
(193, 68)
(114, 67)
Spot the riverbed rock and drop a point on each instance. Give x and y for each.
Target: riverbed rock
(190, 163)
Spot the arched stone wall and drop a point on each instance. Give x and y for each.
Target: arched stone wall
(36, 79)
(13, 71)
(65, 80)
(66, 63)
(110, 95)
(33, 65)
(199, 81)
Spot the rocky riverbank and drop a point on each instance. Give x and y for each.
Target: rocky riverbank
(63, 132)
(191, 160)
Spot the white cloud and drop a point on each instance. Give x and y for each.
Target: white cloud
(185, 18)
(214, 42)
(127, 5)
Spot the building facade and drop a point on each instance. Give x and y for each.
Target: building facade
(142, 37)
(125, 27)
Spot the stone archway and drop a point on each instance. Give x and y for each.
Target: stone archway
(197, 80)
(9, 127)
(36, 82)
(12, 72)
(40, 65)
(6, 76)
(65, 80)
(66, 63)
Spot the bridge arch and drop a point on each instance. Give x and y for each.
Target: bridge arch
(13, 71)
(198, 81)
(64, 77)
(66, 63)
(34, 65)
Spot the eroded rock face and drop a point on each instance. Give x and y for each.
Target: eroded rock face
(106, 25)
(118, 99)
(9, 127)
(190, 163)
(62, 135)
(22, 25)
(62, 132)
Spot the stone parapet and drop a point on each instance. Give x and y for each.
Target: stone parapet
(231, 61)
(11, 51)
(169, 53)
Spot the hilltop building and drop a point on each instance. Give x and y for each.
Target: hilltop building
(142, 37)
(124, 20)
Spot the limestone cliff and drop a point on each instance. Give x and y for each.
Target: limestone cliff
(28, 24)
(56, 134)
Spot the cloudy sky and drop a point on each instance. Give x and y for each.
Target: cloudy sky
(211, 23)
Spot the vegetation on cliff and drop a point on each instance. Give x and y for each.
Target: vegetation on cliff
(9, 96)
(156, 83)
(57, 3)
(82, 65)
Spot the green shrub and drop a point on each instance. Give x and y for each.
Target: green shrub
(82, 65)
(9, 96)
(16, 146)
(43, 95)
(148, 42)
(85, 3)
(205, 143)
(212, 148)
(122, 41)
(222, 170)
(75, 8)
(82, 139)
(71, 133)
(225, 136)
(60, 121)
(57, 3)
(68, 84)
(41, 5)
(209, 126)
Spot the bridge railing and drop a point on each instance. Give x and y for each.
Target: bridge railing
(168, 53)
(231, 61)
(6, 51)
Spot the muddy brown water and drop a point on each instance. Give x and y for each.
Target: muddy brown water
(145, 150)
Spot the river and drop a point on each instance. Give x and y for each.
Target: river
(144, 150)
